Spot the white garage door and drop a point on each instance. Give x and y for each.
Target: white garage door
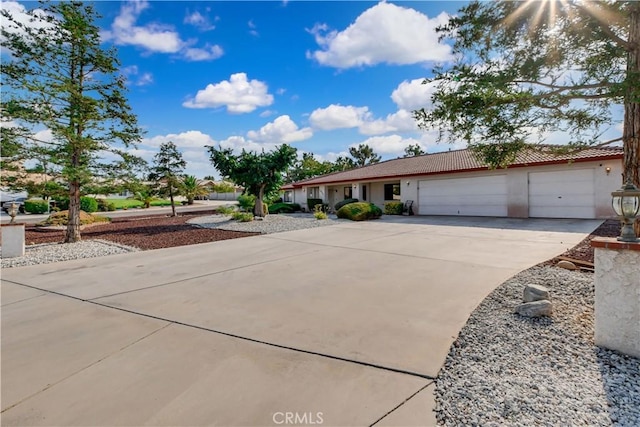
(563, 194)
(478, 196)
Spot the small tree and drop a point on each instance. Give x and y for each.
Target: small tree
(363, 155)
(192, 187)
(413, 150)
(168, 166)
(57, 75)
(259, 174)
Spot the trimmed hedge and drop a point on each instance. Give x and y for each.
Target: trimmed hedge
(311, 203)
(393, 208)
(35, 206)
(278, 208)
(344, 203)
(360, 211)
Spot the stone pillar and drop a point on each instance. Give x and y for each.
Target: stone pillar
(12, 240)
(617, 308)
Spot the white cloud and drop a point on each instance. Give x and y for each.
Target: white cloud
(238, 94)
(239, 143)
(390, 144)
(413, 95)
(132, 73)
(154, 37)
(282, 130)
(207, 53)
(337, 116)
(252, 28)
(384, 33)
(200, 21)
(267, 113)
(188, 139)
(400, 121)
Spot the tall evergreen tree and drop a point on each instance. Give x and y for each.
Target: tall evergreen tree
(363, 155)
(56, 75)
(167, 170)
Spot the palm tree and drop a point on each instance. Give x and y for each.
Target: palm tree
(144, 196)
(192, 188)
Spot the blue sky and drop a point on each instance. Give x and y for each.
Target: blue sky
(319, 75)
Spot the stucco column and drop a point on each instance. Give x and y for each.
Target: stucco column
(617, 308)
(356, 190)
(12, 240)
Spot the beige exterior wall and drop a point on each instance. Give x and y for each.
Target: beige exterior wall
(517, 186)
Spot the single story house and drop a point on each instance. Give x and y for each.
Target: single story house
(538, 184)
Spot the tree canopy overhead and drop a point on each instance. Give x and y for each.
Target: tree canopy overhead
(259, 173)
(527, 68)
(56, 76)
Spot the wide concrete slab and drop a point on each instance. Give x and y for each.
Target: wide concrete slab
(417, 411)
(390, 310)
(185, 376)
(50, 338)
(10, 293)
(96, 277)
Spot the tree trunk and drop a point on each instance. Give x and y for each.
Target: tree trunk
(631, 129)
(173, 205)
(258, 210)
(73, 226)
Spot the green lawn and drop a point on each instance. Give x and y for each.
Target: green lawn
(130, 203)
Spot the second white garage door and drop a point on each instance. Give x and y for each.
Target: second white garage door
(562, 194)
(477, 196)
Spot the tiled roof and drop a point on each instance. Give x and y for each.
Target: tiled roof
(455, 161)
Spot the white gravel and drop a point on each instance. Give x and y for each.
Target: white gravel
(508, 370)
(55, 252)
(270, 224)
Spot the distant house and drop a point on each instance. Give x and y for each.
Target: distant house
(539, 184)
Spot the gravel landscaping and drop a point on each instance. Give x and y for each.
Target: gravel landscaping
(270, 224)
(509, 370)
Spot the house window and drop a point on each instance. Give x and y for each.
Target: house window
(313, 193)
(392, 191)
(348, 192)
(287, 197)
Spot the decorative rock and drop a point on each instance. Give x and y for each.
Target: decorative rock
(535, 293)
(566, 264)
(535, 309)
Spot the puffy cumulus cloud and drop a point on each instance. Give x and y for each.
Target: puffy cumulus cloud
(281, 130)
(189, 139)
(400, 121)
(330, 156)
(200, 21)
(413, 95)
(206, 53)
(19, 13)
(239, 143)
(384, 33)
(337, 116)
(390, 144)
(238, 94)
(154, 37)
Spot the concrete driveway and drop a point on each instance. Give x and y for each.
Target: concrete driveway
(344, 325)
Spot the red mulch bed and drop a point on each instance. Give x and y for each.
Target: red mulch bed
(583, 250)
(149, 232)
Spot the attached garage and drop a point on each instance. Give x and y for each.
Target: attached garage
(562, 194)
(471, 196)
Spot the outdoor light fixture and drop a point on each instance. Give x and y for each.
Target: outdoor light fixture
(626, 203)
(13, 211)
(608, 170)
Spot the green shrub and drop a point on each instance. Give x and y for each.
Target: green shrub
(344, 202)
(88, 204)
(360, 211)
(225, 210)
(247, 202)
(319, 213)
(393, 208)
(62, 203)
(62, 218)
(105, 206)
(311, 203)
(278, 208)
(242, 216)
(36, 206)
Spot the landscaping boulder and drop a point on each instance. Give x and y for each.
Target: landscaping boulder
(535, 293)
(535, 309)
(567, 265)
